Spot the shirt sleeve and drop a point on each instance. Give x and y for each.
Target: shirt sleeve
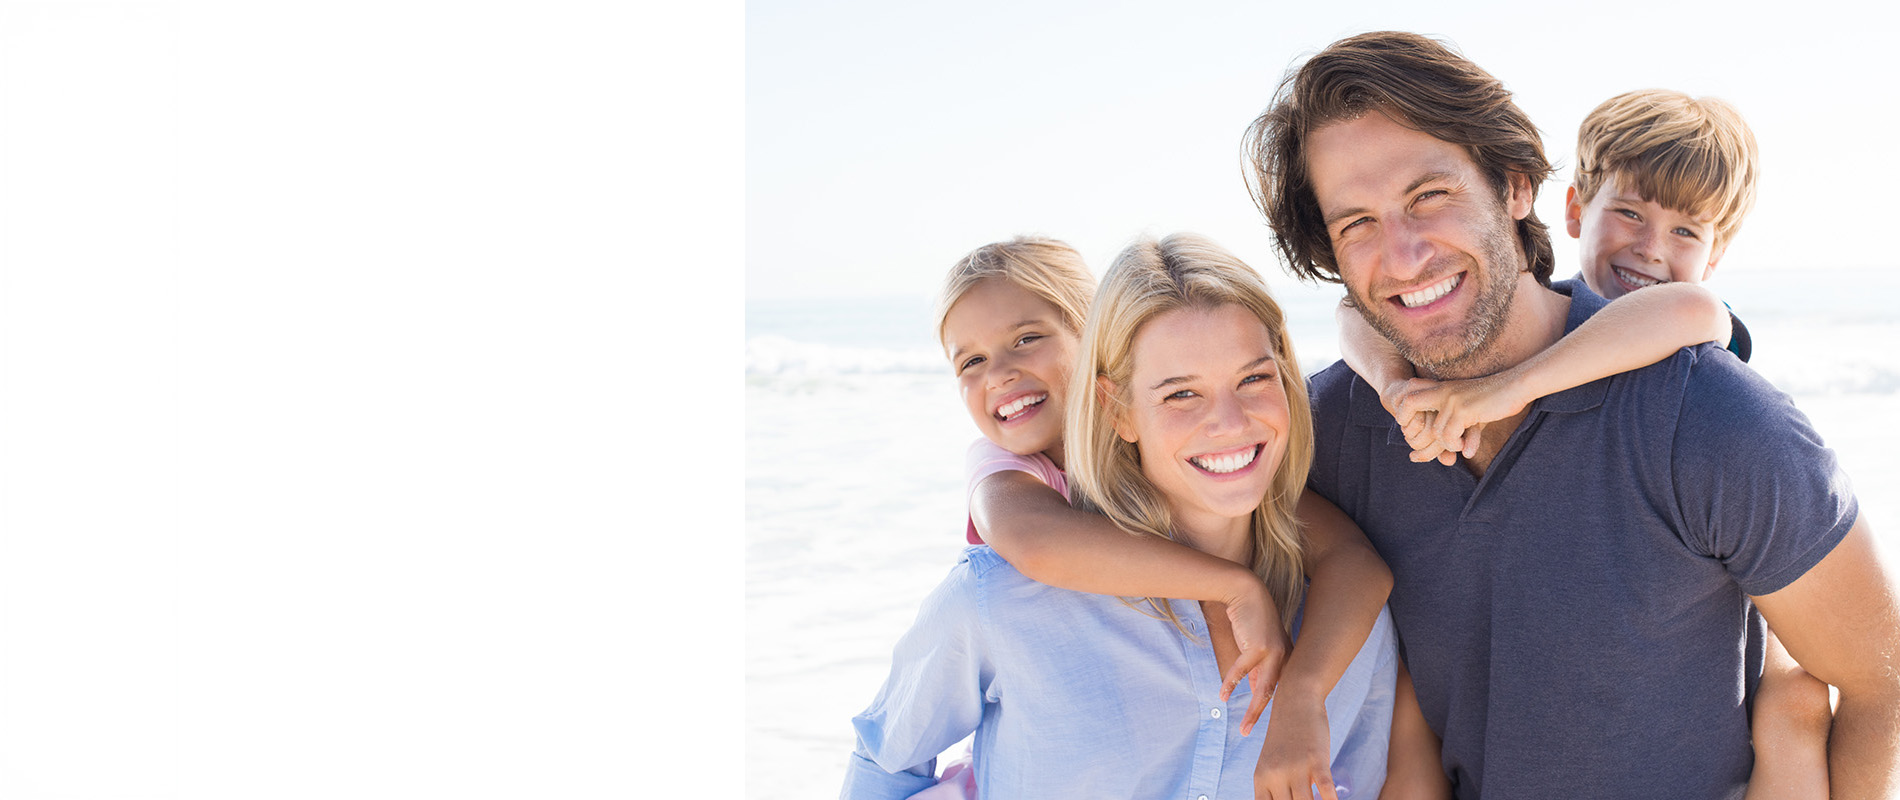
(984, 459)
(1758, 488)
(933, 698)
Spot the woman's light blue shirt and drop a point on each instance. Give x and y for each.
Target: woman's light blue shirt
(1075, 695)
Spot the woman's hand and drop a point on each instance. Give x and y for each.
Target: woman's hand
(1295, 758)
(1263, 646)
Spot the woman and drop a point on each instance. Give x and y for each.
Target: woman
(1189, 420)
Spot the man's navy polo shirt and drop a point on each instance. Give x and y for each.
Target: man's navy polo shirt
(1577, 622)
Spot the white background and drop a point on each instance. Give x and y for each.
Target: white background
(338, 345)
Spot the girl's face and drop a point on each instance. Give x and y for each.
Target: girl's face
(1012, 357)
(1207, 412)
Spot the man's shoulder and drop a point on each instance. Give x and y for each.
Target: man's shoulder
(1332, 384)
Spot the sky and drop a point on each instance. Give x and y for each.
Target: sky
(885, 140)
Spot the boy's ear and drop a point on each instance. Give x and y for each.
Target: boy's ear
(1105, 396)
(1573, 213)
(1715, 254)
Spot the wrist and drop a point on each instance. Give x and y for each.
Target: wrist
(1300, 689)
(1240, 586)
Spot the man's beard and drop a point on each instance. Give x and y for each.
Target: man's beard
(1470, 355)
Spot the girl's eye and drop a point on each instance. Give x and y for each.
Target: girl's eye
(968, 363)
(1028, 338)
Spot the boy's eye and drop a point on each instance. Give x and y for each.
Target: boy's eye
(1686, 232)
(1628, 213)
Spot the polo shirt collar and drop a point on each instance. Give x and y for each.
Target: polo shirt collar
(1368, 411)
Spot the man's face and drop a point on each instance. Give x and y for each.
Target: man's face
(1426, 247)
(1628, 243)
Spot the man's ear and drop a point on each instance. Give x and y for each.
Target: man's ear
(1520, 198)
(1573, 213)
(1105, 397)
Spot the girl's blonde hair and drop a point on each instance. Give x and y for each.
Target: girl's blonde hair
(1047, 268)
(1150, 278)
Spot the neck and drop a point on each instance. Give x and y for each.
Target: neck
(1536, 321)
(1231, 539)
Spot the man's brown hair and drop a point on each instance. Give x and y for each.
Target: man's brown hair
(1421, 84)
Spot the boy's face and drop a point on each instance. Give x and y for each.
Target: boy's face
(1627, 243)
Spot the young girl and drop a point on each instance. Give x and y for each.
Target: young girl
(1009, 317)
(1442, 420)
(1012, 345)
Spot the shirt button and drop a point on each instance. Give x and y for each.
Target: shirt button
(1202, 797)
(1217, 713)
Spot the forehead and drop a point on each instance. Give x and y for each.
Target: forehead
(1373, 157)
(1621, 187)
(994, 306)
(1199, 341)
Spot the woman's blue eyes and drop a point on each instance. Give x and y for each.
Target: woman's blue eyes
(1187, 393)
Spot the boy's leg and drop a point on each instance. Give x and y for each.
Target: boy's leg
(1790, 728)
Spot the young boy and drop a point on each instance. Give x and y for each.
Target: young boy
(1662, 183)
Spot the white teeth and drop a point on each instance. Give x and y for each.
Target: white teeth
(1012, 408)
(1227, 463)
(1430, 293)
(1636, 279)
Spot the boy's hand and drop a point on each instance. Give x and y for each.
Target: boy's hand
(1448, 417)
(1263, 646)
(1294, 758)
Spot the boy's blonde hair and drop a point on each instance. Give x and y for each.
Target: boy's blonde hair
(1148, 279)
(1047, 268)
(1694, 155)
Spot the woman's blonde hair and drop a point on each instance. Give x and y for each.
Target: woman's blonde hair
(1150, 278)
(1047, 268)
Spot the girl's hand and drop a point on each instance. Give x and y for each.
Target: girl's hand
(1263, 646)
(1294, 759)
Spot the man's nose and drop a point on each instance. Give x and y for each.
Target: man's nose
(1405, 251)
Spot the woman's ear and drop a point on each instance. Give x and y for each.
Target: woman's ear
(1105, 397)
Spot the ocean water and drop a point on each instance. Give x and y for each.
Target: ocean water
(854, 453)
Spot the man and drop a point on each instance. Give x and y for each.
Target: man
(1578, 603)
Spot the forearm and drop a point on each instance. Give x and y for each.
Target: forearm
(1037, 532)
(1347, 586)
(1342, 605)
(1369, 355)
(1637, 330)
(1084, 552)
(1864, 748)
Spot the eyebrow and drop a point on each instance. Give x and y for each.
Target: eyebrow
(1185, 378)
(957, 351)
(1409, 188)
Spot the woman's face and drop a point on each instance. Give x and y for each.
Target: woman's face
(1207, 412)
